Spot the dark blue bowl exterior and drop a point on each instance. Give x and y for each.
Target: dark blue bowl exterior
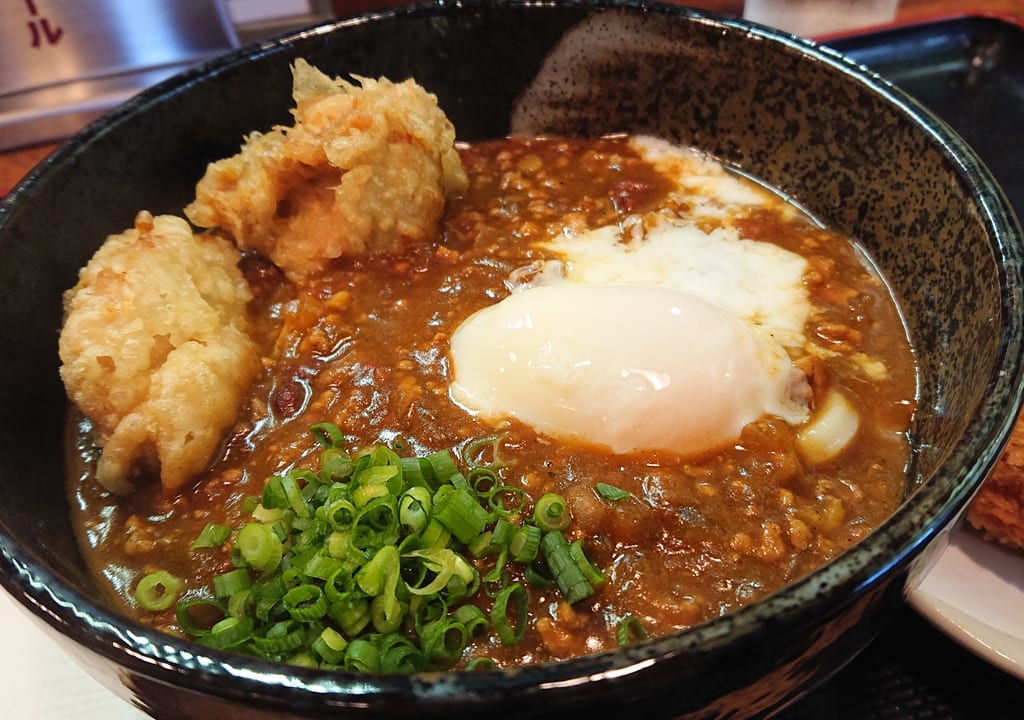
(846, 145)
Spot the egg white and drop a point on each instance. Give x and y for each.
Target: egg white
(757, 282)
(654, 334)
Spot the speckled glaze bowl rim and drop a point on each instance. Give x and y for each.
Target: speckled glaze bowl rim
(936, 504)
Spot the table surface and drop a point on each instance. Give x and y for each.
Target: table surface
(949, 682)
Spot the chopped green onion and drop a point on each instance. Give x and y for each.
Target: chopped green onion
(426, 609)
(503, 532)
(352, 614)
(551, 512)
(364, 494)
(367, 562)
(330, 646)
(473, 619)
(398, 655)
(536, 576)
(444, 640)
(249, 503)
(213, 535)
(610, 492)
(294, 497)
(260, 547)
(510, 633)
(229, 632)
(158, 591)
(362, 655)
(380, 572)
(322, 567)
(281, 639)
(274, 497)
(305, 659)
(474, 452)
(196, 617)
(339, 512)
(436, 535)
(570, 578)
(590, 571)
(387, 613)
(483, 544)
(481, 663)
(460, 512)
(416, 472)
(443, 465)
(335, 465)
(326, 434)
(414, 508)
(240, 604)
(629, 631)
(506, 500)
(525, 543)
(440, 562)
(305, 602)
(390, 476)
(483, 481)
(231, 582)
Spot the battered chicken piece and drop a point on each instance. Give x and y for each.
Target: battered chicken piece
(365, 170)
(998, 508)
(156, 351)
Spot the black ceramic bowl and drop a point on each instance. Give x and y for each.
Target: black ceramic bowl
(846, 145)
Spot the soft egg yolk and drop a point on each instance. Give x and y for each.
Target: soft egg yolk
(627, 367)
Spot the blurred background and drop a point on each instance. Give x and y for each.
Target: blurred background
(65, 62)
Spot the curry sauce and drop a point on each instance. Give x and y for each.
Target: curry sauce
(364, 345)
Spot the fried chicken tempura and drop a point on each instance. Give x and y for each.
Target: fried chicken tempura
(998, 508)
(365, 170)
(155, 349)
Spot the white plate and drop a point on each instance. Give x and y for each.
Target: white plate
(975, 594)
(42, 683)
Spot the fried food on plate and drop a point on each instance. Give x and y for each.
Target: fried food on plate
(998, 508)
(364, 170)
(155, 349)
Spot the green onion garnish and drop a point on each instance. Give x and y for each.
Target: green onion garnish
(551, 512)
(229, 632)
(570, 577)
(629, 631)
(231, 582)
(461, 513)
(512, 632)
(158, 591)
(260, 547)
(525, 543)
(381, 563)
(610, 492)
(590, 571)
(213, 535)
(328, 435)
(196, 617)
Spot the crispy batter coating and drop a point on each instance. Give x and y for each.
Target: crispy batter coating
(364, 170)
(156, 351)
(998, 508)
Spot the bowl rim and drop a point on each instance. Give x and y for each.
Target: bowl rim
(900, 538)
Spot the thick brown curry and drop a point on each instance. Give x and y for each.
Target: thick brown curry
(364, 345)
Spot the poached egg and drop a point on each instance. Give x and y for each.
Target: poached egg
(656, 334)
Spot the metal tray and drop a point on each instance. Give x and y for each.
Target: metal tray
(969, 71)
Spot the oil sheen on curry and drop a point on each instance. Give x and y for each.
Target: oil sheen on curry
(389, 402)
